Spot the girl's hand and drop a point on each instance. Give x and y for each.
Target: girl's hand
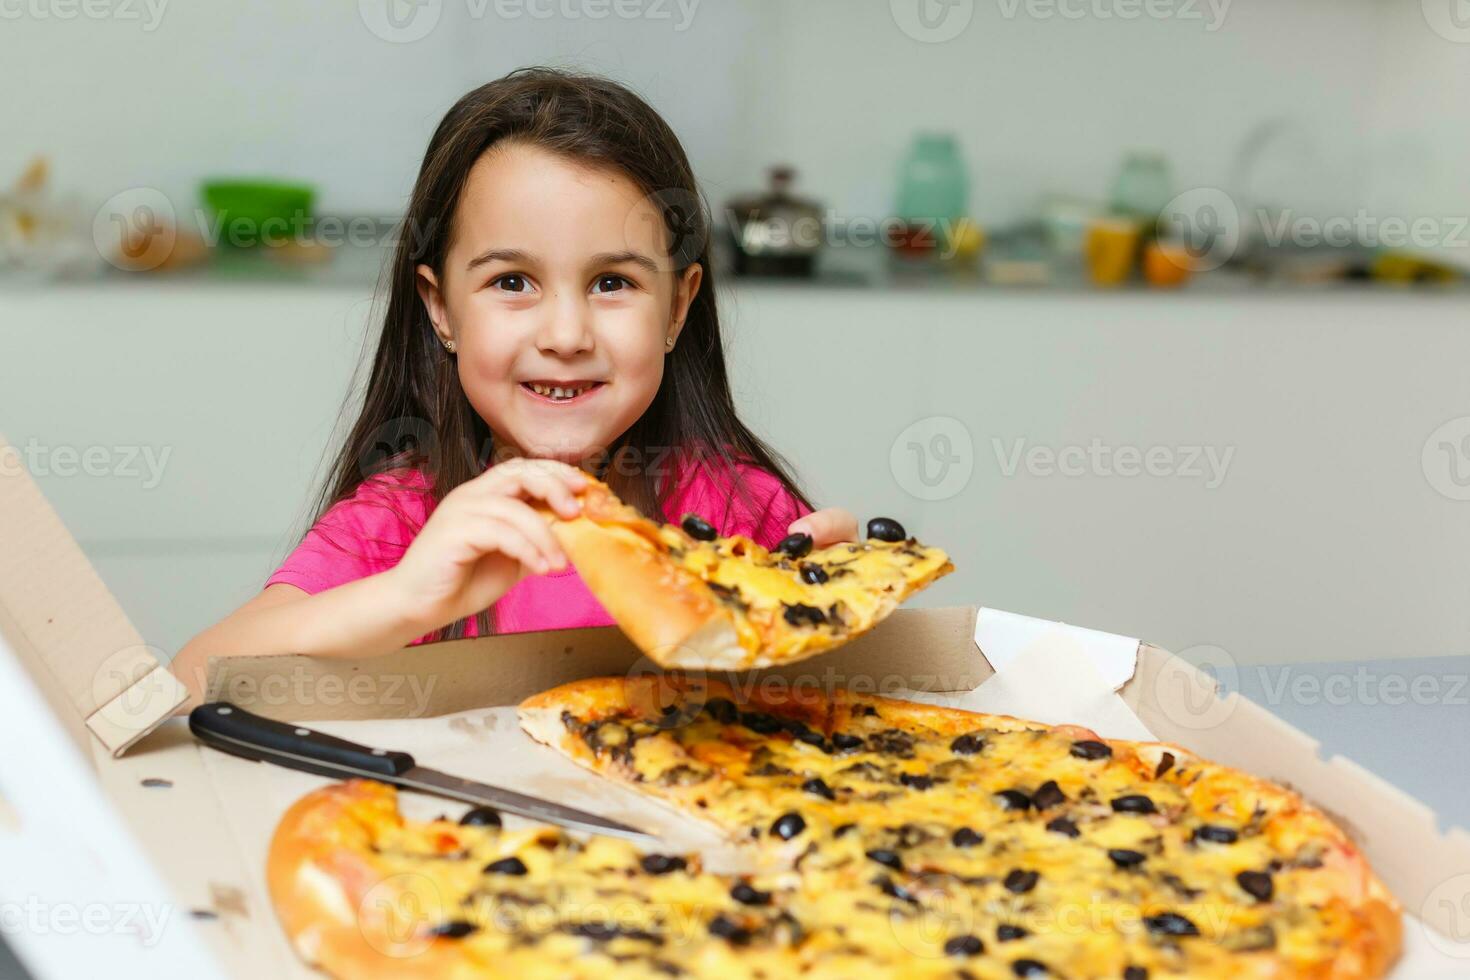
(483, 538)
(827, 526)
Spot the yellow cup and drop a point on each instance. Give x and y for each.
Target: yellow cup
(1111, 249)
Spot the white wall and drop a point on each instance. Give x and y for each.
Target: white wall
(834, 86)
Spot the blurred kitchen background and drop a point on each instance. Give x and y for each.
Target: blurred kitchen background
(976, 240)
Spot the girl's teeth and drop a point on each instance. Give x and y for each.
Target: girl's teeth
(550, 391)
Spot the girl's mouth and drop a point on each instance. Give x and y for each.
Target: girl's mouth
(560, 393)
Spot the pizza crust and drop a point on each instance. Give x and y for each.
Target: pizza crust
(666, 611)
(324, 889)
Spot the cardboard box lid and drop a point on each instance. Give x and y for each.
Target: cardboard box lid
(90, 664)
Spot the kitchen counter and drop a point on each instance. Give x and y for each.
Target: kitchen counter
(841, 268)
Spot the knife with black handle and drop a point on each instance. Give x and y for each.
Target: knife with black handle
(232, 729)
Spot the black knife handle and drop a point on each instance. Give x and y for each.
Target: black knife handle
(235, 730)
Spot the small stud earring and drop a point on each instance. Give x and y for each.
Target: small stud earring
(669, 344)
(449, 346)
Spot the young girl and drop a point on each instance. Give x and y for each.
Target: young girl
(551, 312)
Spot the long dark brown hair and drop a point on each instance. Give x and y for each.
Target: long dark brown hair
(414, 413)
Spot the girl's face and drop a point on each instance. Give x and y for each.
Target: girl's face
(557, 296)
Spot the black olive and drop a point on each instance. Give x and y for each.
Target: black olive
(813, 574)
(662, 864)
(1064, 826)
(1133, 803)
(1048, 796)
(891, 741)
(745, 894)
(480, 816)
(454, 929)
(1013, 799)
(605, 932)
(913, 781)
(1091, 750)
(886, 886)
(811, 737)
(885, 857)
(506, 866)
(698, 528)
(1125, 858)
(729, 930)
(1135, 973)
(1028, 968)
(760, 722)
(965, 837)
(1020, 882)
(967, 745)
(788, 825)
(1007, 932)
(886, 529)
(795, 545)
(844, 830)
(845, 742)
(817, 787)
(1216, 834)
(963, 946)
(722, 710)
(1256, 884)
(1170, 924)
(800, 614)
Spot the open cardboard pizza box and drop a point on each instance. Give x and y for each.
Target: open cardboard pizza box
(128, 847)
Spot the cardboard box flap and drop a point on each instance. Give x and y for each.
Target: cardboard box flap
(444, 678)
(71, 634)
(1427, 868)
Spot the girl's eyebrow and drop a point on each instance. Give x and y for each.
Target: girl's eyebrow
(522, 257)
(514, 255)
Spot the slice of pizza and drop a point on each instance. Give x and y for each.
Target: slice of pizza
(364, 893)
(1025, 849)
(689, 598)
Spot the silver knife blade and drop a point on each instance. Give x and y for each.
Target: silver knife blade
(438, 783)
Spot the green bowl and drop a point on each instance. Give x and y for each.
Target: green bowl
(250, 212)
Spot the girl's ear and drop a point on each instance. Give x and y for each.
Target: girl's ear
(686, 287)
(433, 300)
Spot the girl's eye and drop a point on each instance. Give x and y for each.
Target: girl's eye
(610, 284)
(511, 282)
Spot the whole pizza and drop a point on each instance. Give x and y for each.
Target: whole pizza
(894, 839)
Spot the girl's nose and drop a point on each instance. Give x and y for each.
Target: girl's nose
(567, 326)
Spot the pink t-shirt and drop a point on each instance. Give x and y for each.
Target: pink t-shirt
(369, 532)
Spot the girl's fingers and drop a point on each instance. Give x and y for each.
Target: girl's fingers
(521, 516)
(542, 479)
(494, 535)
(827, 526)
